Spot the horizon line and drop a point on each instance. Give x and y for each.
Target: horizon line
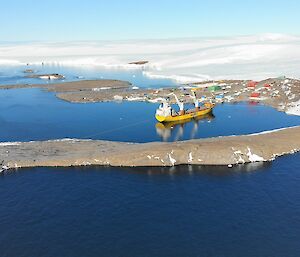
(150, 39)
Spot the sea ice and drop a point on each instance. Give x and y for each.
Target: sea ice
(183, 60)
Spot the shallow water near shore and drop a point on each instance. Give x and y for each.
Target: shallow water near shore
(183, 211)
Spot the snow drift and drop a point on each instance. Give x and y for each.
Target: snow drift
(184, 60)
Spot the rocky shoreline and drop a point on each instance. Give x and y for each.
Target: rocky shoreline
(281, 93)
(230, 150)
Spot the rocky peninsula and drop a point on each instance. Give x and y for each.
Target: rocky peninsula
(230, 150)
(281, 93)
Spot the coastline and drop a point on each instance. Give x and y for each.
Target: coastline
(282, 94)
(229, 150)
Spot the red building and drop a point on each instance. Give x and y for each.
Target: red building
(252, 84)
(255, 94)
(267, 85)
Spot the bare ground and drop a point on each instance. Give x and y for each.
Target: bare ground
(75, 86)
(281, 94)
(213, 151)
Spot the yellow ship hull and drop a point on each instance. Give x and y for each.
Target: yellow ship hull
(185, 116)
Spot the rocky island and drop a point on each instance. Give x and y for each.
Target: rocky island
(281, 93)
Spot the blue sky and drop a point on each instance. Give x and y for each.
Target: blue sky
(64, 20)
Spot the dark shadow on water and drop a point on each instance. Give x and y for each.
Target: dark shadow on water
(207, 170)
(181, 170)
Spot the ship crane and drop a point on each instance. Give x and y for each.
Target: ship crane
(196, 101)
(180, 104)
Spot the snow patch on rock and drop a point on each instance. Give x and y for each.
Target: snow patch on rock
(9, 143)
(294, 108)
(190, 158)
(172, 160)
(254, 157)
